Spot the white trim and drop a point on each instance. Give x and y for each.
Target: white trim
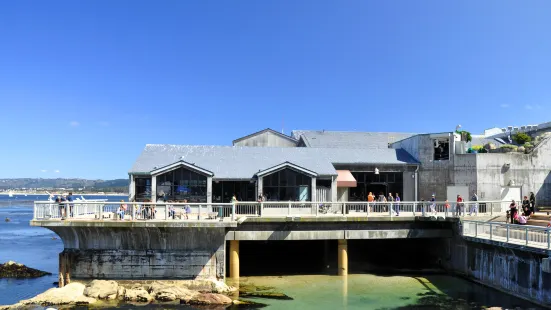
(179, 164)
(286, 165)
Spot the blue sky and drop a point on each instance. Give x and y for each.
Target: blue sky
(84, 85)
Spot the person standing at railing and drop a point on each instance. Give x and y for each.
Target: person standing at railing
(370, 199)
(390, 200)
(122, 210)
(513, 211)
(70, 200)
(474, 205)
(187, 209)
(433, 205)
(459, 206)
(397, 205)
(446, 208)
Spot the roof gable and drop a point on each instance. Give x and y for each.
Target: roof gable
(281, 135)
(348, 139)
(286, 165)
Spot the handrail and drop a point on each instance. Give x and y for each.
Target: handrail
(100, 210)
(524, 235)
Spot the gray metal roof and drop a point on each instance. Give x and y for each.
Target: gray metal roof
(349, 139)
(279, 134)
(239, 162)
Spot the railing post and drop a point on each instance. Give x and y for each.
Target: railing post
(476, 229)
(548, 238)
(367, 210)
(132, 211)
(199, 213)
(491, 231)
(423, 211)
(414, 207)
(34, 211)
(261, 209)
(491, 208)
(344, 209)
(100, 211)
(317, 206)
(526, 231)
(390, 209)
(289, 210)
(507, 232)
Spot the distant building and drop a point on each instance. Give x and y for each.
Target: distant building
(319, 165)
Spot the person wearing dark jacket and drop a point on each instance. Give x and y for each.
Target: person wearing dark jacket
(532, 203)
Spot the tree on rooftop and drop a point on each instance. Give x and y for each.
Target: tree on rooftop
(521, 138)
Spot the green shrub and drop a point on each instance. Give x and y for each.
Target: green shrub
(483, 150)
(521, 138)
(528, 145)
(508, 146)
(477, 147)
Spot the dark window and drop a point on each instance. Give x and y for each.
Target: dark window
(143, 188)
(287, 184)
(182, 184)
(384, 182)
(441, 149)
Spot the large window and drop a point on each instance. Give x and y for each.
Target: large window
(143, 188)
(382, 183)
(222, 191)
(182, 184)
(287, 185)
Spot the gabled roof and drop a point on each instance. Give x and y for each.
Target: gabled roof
(279, 134)
(286, 165)
(348, 139)
(241, 162)
(179, 164)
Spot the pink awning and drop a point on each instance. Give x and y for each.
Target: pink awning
(346, 179)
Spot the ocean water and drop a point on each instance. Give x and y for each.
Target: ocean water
(39, 248)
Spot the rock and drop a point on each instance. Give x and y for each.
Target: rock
(210, 299)
(267, 295)
(245, 303)
(208, 285)
(120, 292)
(70, 294)
(170, 292)
(101, 289)
(137, 294)
(12, 269)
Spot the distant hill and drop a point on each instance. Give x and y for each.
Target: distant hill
(117, 185)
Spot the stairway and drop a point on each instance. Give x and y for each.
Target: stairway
(541, 218)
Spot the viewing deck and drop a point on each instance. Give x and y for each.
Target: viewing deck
(532, 237)
(228, 212)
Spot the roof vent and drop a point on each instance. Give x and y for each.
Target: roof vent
(182, 157)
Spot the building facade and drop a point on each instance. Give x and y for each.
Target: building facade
(343, 166)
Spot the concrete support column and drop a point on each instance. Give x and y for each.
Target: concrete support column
(314, 189)
(64, 277)
(343, 258)
(234, 259)
(154, 188)
(209, 189)
(334, 189)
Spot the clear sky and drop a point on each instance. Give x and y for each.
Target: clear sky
(84, 85)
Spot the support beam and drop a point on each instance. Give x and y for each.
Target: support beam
(314, 190)
(334, 189)
(209, 189)
(343, 258)
(234, 259)
(154, 188)
(132, 188)
(259, 185)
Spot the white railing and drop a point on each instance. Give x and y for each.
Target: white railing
(211, 211)
(525, 235)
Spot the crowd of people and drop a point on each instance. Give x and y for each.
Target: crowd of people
(521, 214)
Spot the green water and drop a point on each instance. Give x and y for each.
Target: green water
(364, 291)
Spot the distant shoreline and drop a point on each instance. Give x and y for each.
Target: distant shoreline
(65, 192)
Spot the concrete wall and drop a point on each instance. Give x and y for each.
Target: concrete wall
(266, 139)
(434, 176)
(142, 252)
(530, 171)
(513, 271)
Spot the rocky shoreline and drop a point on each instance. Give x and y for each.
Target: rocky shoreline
(12, 269)
(104, 293)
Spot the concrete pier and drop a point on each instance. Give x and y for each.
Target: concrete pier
(234, 259)
(343, 258)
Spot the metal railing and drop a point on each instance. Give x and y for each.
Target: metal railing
(104, 210)
(525, 235)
